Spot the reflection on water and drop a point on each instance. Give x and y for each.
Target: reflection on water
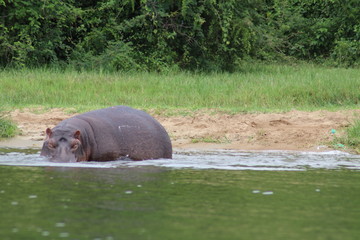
(147, 202)
(219, 159)
(196, 195)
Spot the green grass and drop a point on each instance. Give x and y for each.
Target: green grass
(257, 87)
(7, 128)
(207, 140)
(351, 138)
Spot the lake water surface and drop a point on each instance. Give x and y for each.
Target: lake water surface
(196, 195)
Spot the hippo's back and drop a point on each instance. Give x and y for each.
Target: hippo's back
(123, 131)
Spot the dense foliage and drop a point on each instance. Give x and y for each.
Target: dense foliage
(187, 34)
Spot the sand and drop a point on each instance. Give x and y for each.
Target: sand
(294, 130)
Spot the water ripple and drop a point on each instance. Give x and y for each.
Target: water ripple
(216, 159)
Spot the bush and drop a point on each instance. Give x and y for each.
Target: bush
(117, 56)
(346, 53)
(7, 128)
(152, 35)
(351, 137)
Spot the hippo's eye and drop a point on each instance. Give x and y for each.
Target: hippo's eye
(51, 145)
(74, 147)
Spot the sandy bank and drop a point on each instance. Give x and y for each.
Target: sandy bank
(295, 130)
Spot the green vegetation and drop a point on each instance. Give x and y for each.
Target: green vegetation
(206, 140)
(190, 34)
(351, 138)
(257, 88)
(7, 128)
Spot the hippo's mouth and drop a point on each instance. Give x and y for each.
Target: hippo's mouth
(65, 160)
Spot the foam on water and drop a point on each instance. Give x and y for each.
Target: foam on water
(216, 159)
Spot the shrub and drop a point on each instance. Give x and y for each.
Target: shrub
(351, 137)
(153, 35)
(7, 128)
(346, 53)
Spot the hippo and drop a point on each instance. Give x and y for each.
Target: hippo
(107, 134)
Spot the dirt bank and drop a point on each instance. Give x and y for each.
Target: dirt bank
(295, 130)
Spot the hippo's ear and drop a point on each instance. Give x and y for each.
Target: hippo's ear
(48, 133)
(77, 135)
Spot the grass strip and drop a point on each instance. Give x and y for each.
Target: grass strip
(257, 88)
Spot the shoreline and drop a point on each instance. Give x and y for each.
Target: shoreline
(294, 130)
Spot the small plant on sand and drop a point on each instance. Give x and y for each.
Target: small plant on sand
(210, 140)
(205, 140)
(7, 128)
(351, 138)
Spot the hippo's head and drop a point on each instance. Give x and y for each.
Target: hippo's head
(63, 146)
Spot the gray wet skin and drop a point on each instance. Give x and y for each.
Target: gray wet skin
(107, 134)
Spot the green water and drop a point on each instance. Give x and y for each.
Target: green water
(158, 203)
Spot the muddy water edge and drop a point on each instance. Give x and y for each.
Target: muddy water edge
(152, 201)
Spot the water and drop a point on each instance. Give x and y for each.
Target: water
(197, 195)
(217, 159)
